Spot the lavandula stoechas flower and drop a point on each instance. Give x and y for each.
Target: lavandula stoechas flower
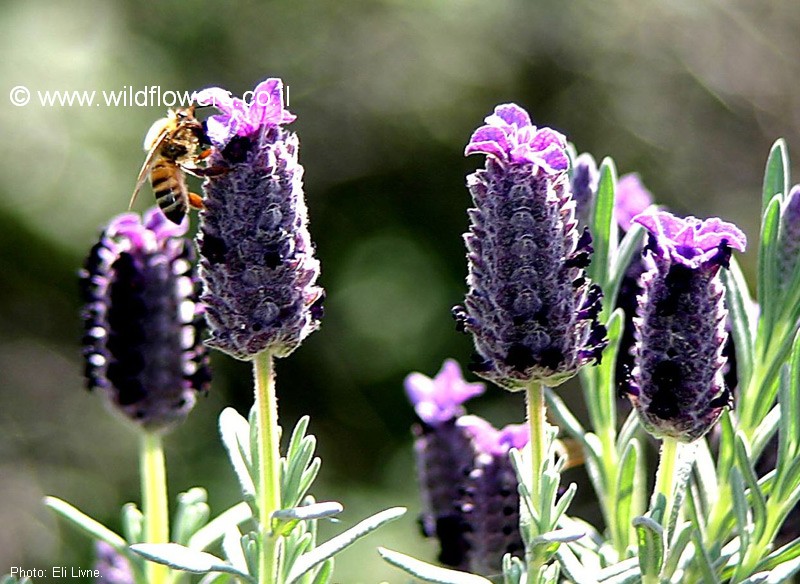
(467, 483)
(256, 255)
(678, 387)
(142, 321)
(530, 308)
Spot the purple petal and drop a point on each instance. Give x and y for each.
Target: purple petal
(690, 241)
(511, 114)
(514, 436)
(546, 138)
(266, 108)
(631, 199)
(439, 399)
(216, 97)
(220, 129)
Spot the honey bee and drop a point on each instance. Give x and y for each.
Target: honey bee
(172, 145)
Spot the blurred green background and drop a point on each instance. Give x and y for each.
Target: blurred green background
(689, 94)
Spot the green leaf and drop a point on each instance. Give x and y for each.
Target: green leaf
(215, 529)
(626, 484)
(311, 559)
(572, 567)
(232, 546)
(192, 514)
(650, 536)
(630, 246)
(779, 575)
(235, 433)
(767, 273)
(429, 572)
(680, 539)
(757, 501)
(741, 509)
(602, 399)
(601, 224)
(788, 552)
(739, 304)
(132, 523)
(308, 512)
(702, 561)
(789, 424)
(564, 502)
(776, 174)
(324, 573)
(179, 557)
(94, 529)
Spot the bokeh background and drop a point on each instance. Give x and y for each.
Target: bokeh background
(689, 94)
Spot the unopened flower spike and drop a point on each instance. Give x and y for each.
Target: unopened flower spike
(678, 387)
(789, 248)
(584, 182)
(531, 309)
(142, 322)
(257, 259)
(467, 483)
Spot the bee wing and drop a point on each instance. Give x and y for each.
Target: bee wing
(148, 164)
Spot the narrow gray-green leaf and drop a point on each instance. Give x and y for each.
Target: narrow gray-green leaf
(776, 173)
(702, 560)
(626, 484)
(788, 552)
(315, 511)
(215, 529)
(91, 527)
(324, 573)
(132, 523)
(309, 560)
(601, 226)
(739, 304)
(235, 434)
(650, 536)
(757, 501)
(680, 539)
(628, 248)
(429, 572)
(572, 567)
(778, 575)
(741, 509)
(767, 273)
(182, 558)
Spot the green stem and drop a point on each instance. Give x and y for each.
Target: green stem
(665, 478)
(269, 493)
(538, 429)
(534, 398)
(154, 500)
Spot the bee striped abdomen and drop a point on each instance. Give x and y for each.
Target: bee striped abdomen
(169, 186)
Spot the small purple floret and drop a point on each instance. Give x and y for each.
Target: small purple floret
(440, 399)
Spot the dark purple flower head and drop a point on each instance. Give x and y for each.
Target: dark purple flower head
(257, 259)
(631, 198)
(440, 399)
(530, 308)
(112, 566)
(678, 387)
(240, 118)
(142, 321)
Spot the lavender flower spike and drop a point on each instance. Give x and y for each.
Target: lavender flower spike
(467, 482)
(678, 387)
(142, 321)
(530, 308)
(257, 260)
(789, 248)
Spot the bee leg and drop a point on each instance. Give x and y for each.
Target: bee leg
(200, 172)
(196, 201)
